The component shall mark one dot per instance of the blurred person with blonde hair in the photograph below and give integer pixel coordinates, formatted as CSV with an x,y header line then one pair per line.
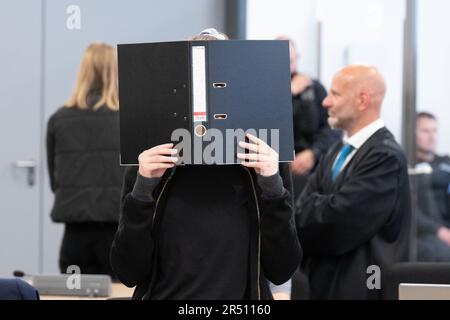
x,y
83,163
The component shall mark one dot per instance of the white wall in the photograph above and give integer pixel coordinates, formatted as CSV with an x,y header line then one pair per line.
x,y
370,32
267,19
434,65
353,31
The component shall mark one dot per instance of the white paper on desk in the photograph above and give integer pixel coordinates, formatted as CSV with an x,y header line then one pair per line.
x,y
199,84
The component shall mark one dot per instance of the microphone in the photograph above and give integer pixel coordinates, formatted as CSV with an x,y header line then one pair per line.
x,y
19,273
25,277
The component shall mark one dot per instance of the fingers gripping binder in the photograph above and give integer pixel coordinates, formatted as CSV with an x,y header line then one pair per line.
x,y
213,90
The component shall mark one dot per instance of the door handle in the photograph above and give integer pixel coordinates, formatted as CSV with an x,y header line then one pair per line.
x,y
30,165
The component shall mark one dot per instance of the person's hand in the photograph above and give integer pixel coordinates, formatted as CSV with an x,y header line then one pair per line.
x,y
155,161
299,84
444,235
264,160
281,296
303,163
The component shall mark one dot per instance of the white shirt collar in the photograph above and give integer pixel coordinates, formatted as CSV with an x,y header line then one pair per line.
x,y
359,138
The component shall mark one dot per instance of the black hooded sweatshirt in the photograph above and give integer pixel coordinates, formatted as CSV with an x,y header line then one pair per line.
x,y
206,232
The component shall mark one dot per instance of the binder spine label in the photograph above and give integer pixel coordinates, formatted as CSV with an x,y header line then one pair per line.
x,y
199,113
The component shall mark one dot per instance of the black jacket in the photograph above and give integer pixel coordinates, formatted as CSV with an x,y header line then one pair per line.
x,y
311,129
433,200
361,220
274,249
84,165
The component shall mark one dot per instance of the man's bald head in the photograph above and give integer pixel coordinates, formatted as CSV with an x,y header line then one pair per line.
x,y
355,98
365,79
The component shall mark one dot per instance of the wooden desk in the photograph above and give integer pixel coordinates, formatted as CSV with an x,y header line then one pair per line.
x,y
118,290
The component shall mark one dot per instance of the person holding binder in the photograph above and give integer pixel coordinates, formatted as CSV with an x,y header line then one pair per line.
x,y
206,231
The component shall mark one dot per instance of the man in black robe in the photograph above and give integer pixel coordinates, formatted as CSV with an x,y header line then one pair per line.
x,y
353,217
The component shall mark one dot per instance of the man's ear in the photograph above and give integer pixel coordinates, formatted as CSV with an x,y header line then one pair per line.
x,y
364,100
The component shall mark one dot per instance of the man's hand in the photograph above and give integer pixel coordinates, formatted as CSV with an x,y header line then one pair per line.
x,y
155,161
299,84
444,235
303,163
264,160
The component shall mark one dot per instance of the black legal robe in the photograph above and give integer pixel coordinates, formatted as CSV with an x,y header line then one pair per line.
x,y
361,220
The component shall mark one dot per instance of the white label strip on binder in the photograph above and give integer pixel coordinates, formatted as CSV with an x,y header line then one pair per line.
x,y
199,84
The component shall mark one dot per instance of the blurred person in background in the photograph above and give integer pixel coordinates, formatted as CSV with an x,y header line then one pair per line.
x,y
84,166
433,214
312,134
312,138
